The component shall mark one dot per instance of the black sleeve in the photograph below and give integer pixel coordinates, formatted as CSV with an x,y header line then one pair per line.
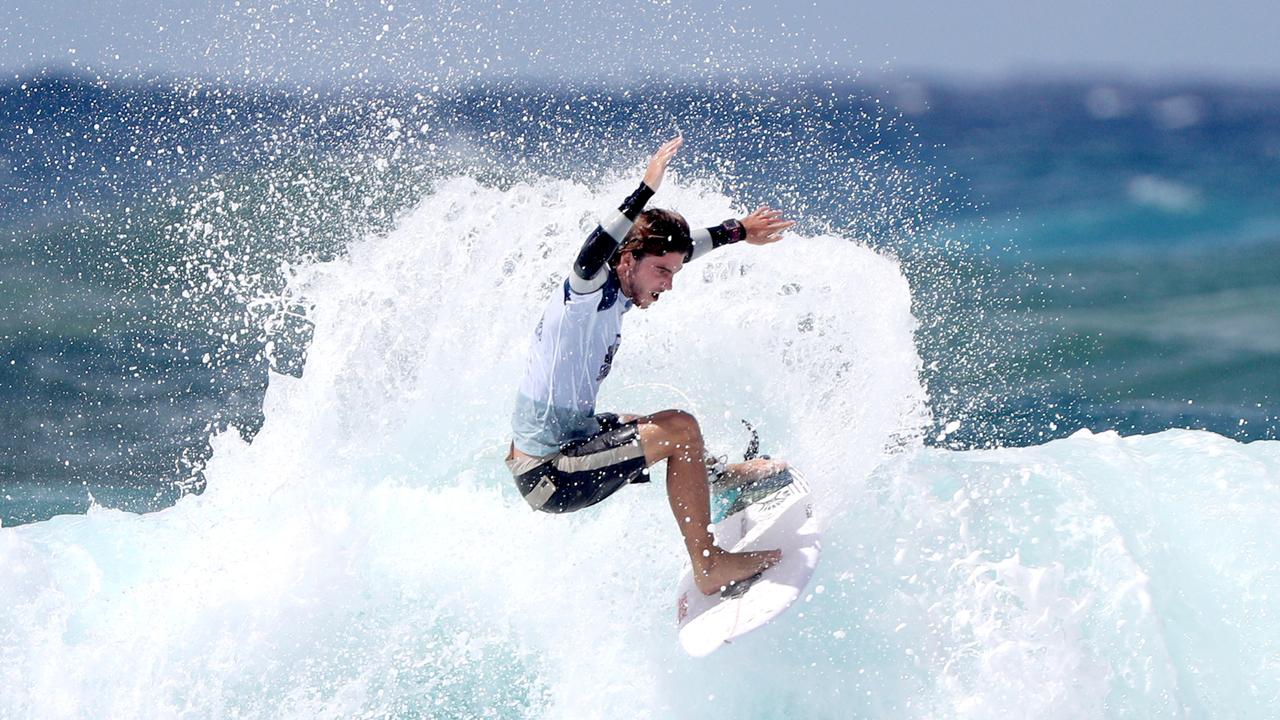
x,y
605,239
707,239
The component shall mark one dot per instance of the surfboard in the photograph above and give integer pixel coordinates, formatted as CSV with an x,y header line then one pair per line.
x,y
774,512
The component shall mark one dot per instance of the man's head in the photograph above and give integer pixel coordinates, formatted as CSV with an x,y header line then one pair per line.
x,y
652,253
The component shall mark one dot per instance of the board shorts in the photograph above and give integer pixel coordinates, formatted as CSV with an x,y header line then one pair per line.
x,y
585,471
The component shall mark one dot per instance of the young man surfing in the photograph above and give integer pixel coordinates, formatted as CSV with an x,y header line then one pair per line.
x,y
564,456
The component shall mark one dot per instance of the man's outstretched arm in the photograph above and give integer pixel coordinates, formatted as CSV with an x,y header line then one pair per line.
x,y
761,227
589,272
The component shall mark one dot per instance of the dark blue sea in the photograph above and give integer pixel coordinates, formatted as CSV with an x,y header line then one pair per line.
x,y
1100,255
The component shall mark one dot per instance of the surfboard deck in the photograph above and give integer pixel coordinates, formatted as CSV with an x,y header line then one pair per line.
x,y
774,512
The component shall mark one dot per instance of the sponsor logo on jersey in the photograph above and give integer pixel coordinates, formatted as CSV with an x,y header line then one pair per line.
x,y
608,359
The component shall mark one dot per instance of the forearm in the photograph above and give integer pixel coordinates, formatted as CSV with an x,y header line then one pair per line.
x,y
707,239
589,268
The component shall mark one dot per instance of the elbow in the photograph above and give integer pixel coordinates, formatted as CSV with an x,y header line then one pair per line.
x,y
594,255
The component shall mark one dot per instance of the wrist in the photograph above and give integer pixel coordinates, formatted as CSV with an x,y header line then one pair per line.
x,y
737,231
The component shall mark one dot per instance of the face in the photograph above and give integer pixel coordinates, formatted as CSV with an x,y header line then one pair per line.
x,y
644,280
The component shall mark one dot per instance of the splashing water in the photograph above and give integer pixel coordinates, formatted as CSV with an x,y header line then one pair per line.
x,y
367,554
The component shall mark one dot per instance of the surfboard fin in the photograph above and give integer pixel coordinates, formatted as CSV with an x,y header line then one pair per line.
x,y
753,447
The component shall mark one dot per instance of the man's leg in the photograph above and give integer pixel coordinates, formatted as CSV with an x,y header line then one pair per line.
x,y
674,436
735,474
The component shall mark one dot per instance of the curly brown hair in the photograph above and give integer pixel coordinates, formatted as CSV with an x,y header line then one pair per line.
x,y
655,232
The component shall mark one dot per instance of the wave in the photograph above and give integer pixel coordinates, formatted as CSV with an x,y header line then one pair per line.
x,y
367,554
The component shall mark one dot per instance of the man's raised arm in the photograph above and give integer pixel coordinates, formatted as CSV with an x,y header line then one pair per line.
x,y
589,272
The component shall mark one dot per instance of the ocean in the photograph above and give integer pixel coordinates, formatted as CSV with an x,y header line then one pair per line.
x,y
259,347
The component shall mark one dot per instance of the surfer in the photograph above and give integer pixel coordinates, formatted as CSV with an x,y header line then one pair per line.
x,y
564,456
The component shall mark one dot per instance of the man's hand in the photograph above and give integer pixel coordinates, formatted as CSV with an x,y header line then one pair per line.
x,y
658,163
765,225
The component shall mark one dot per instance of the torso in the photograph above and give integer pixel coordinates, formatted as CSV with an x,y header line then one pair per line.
x,y
572,352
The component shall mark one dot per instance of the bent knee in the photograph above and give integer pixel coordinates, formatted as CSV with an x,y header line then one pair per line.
x,y
679,423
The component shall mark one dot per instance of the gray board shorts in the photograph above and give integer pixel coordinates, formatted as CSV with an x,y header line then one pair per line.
x,y
583,472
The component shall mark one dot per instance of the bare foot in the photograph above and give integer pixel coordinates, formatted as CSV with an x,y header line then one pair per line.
x,y
745,473
717,571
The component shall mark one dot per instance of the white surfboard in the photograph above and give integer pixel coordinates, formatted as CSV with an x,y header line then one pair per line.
x,y
773,513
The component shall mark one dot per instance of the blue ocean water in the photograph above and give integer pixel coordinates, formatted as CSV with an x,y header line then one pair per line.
x,y
1086,255
1023,340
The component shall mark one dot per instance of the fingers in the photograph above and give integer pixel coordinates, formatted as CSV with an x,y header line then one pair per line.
x,y
669,148
658,163
770,213
769,219
766,225
766,214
